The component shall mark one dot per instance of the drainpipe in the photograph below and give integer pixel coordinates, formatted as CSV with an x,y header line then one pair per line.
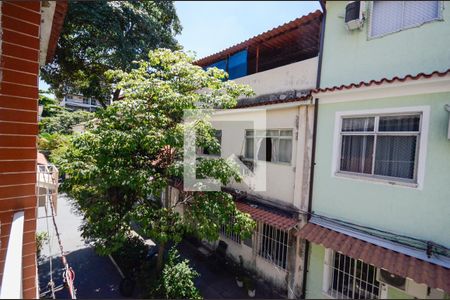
x,y
313,148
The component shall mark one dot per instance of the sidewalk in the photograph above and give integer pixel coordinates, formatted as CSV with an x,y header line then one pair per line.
x,y
216,282
95,276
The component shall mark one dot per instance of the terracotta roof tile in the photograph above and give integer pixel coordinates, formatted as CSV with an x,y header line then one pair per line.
x,y
381,81
397,263
268,217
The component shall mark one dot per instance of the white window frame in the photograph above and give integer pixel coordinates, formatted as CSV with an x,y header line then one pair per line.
x,y
439,18
328,266
279,137
422,145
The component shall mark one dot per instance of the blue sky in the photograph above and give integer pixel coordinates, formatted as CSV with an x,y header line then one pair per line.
x,y
211,26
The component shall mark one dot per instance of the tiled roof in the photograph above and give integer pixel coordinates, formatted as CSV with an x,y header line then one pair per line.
x,y
316,17
266,216
382,81
397,263
271,102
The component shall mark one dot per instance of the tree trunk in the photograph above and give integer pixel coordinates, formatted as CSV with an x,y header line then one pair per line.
x,y
116,95
160,258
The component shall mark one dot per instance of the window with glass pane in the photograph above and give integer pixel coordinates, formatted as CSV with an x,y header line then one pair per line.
x,y
353,279
384,146
392,16
270,145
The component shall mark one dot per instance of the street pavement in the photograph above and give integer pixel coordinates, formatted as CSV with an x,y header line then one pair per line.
x,y
95,276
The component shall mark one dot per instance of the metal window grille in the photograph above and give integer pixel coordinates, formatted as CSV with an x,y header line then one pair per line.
x,y
352,279
273,244
229,234
381,146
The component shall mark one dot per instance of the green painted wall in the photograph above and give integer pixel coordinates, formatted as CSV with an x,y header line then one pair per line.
x,y
394,293
404,210
315,272
353,57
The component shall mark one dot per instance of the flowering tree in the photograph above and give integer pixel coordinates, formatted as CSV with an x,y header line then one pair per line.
x,y
118,168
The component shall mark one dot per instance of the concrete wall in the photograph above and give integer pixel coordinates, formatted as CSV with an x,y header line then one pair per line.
x,y
261,267
421,213
353,56
296,76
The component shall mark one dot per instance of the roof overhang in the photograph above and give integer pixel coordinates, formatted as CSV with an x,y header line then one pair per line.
x,y
52,19
271,218
395,258
435,82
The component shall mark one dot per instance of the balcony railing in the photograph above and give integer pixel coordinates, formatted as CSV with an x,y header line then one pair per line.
x,y
47,184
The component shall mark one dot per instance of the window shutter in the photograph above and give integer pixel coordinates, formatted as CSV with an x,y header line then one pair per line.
x,y
419,12
392,16
386,17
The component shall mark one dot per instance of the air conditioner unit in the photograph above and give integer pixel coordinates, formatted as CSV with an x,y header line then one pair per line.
x,y
407,285
354,15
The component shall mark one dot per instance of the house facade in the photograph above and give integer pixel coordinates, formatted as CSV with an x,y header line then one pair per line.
x,y
281,67
29,32
79,102
379,221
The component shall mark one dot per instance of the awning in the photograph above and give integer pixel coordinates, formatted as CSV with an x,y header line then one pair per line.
x,y
397,263
266,216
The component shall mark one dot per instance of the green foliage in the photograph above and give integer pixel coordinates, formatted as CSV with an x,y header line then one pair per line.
x,y
63,121
102,35
130,256
118,168
42,239
51,106
178,278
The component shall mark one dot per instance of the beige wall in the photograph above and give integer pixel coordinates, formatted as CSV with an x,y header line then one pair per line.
x,y
296,76
286,183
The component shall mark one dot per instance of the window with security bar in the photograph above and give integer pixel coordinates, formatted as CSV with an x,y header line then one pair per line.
x,y
230,234
383,146
392,16
273,244
352,278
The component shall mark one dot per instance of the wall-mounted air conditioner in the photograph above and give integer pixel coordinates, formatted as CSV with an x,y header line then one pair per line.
x,y
354,15
407,285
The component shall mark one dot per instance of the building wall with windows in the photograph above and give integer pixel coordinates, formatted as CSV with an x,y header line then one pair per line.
x,y
354,56
381,157
392,203
79,102
319,289
280,169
